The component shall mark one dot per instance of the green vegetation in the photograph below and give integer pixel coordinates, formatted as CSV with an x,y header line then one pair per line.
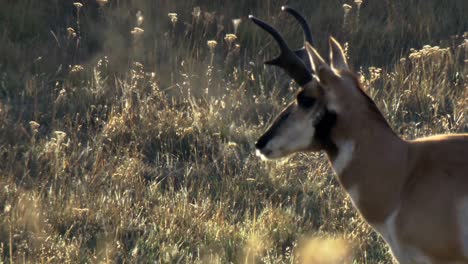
x,y
136,145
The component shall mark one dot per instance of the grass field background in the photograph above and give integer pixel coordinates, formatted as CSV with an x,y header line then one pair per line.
x,y
125,138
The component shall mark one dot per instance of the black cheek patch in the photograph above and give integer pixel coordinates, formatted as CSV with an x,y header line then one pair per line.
x,y
323,133
305,101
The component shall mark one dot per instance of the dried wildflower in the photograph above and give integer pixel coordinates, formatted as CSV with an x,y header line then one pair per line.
x,y
347,8
140,18
428,52
188,130
76,68
135,251
138,66
78,5
346,50
212,45
358,3
235,24
196,13
209,17
151,75
60,136
71,33
34,125
102,2
7,208
136,32
173,18
103,63
464,44
237,48
61,97
230,38
375,74
414,56
80,211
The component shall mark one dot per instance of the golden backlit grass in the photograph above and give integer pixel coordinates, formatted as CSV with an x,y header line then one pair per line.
x,y
151,161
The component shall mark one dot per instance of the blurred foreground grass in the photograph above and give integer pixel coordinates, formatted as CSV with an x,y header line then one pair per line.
x,y
124,144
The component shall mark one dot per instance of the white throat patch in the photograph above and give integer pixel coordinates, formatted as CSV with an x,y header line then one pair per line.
x,y
387,230
345,155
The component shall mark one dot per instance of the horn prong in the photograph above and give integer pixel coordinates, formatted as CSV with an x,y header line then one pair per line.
x,y
287,60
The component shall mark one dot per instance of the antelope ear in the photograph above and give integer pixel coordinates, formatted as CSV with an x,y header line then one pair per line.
x,y
319,66
337,55
316,61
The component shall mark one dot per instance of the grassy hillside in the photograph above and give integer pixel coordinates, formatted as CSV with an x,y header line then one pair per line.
x,y
124,144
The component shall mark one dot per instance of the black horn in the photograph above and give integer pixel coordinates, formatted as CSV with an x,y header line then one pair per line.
x,y
301,53
287,60
302,21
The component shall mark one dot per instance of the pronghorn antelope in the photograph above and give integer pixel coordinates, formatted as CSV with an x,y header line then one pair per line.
x,y
414,193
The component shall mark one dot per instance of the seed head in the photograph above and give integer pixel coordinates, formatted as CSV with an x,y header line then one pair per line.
x,y
209,17
173,18
34,125
196,12
235,23
237,48
230,38
76,69
71,33
102,2
60,136
136,32
7,208
140,18
347,8
78,5
212,45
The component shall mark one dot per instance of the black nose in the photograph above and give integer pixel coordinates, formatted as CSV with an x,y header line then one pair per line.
x,y
262,141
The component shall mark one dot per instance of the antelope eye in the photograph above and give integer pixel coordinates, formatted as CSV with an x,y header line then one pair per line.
x,y
305,101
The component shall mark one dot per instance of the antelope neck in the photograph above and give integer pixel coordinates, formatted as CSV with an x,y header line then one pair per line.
x,y
372,167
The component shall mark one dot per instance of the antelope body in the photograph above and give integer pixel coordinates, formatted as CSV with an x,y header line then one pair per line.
x,y
414,193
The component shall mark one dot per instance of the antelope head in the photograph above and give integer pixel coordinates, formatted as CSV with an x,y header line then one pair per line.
x,y
399,186
307,123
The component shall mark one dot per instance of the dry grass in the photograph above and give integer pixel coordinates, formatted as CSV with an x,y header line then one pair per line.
x,y
138,147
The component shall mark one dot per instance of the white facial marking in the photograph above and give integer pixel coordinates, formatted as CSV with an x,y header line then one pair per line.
x,y
353,193
259,154
463,224
345,155
296,136
333,103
